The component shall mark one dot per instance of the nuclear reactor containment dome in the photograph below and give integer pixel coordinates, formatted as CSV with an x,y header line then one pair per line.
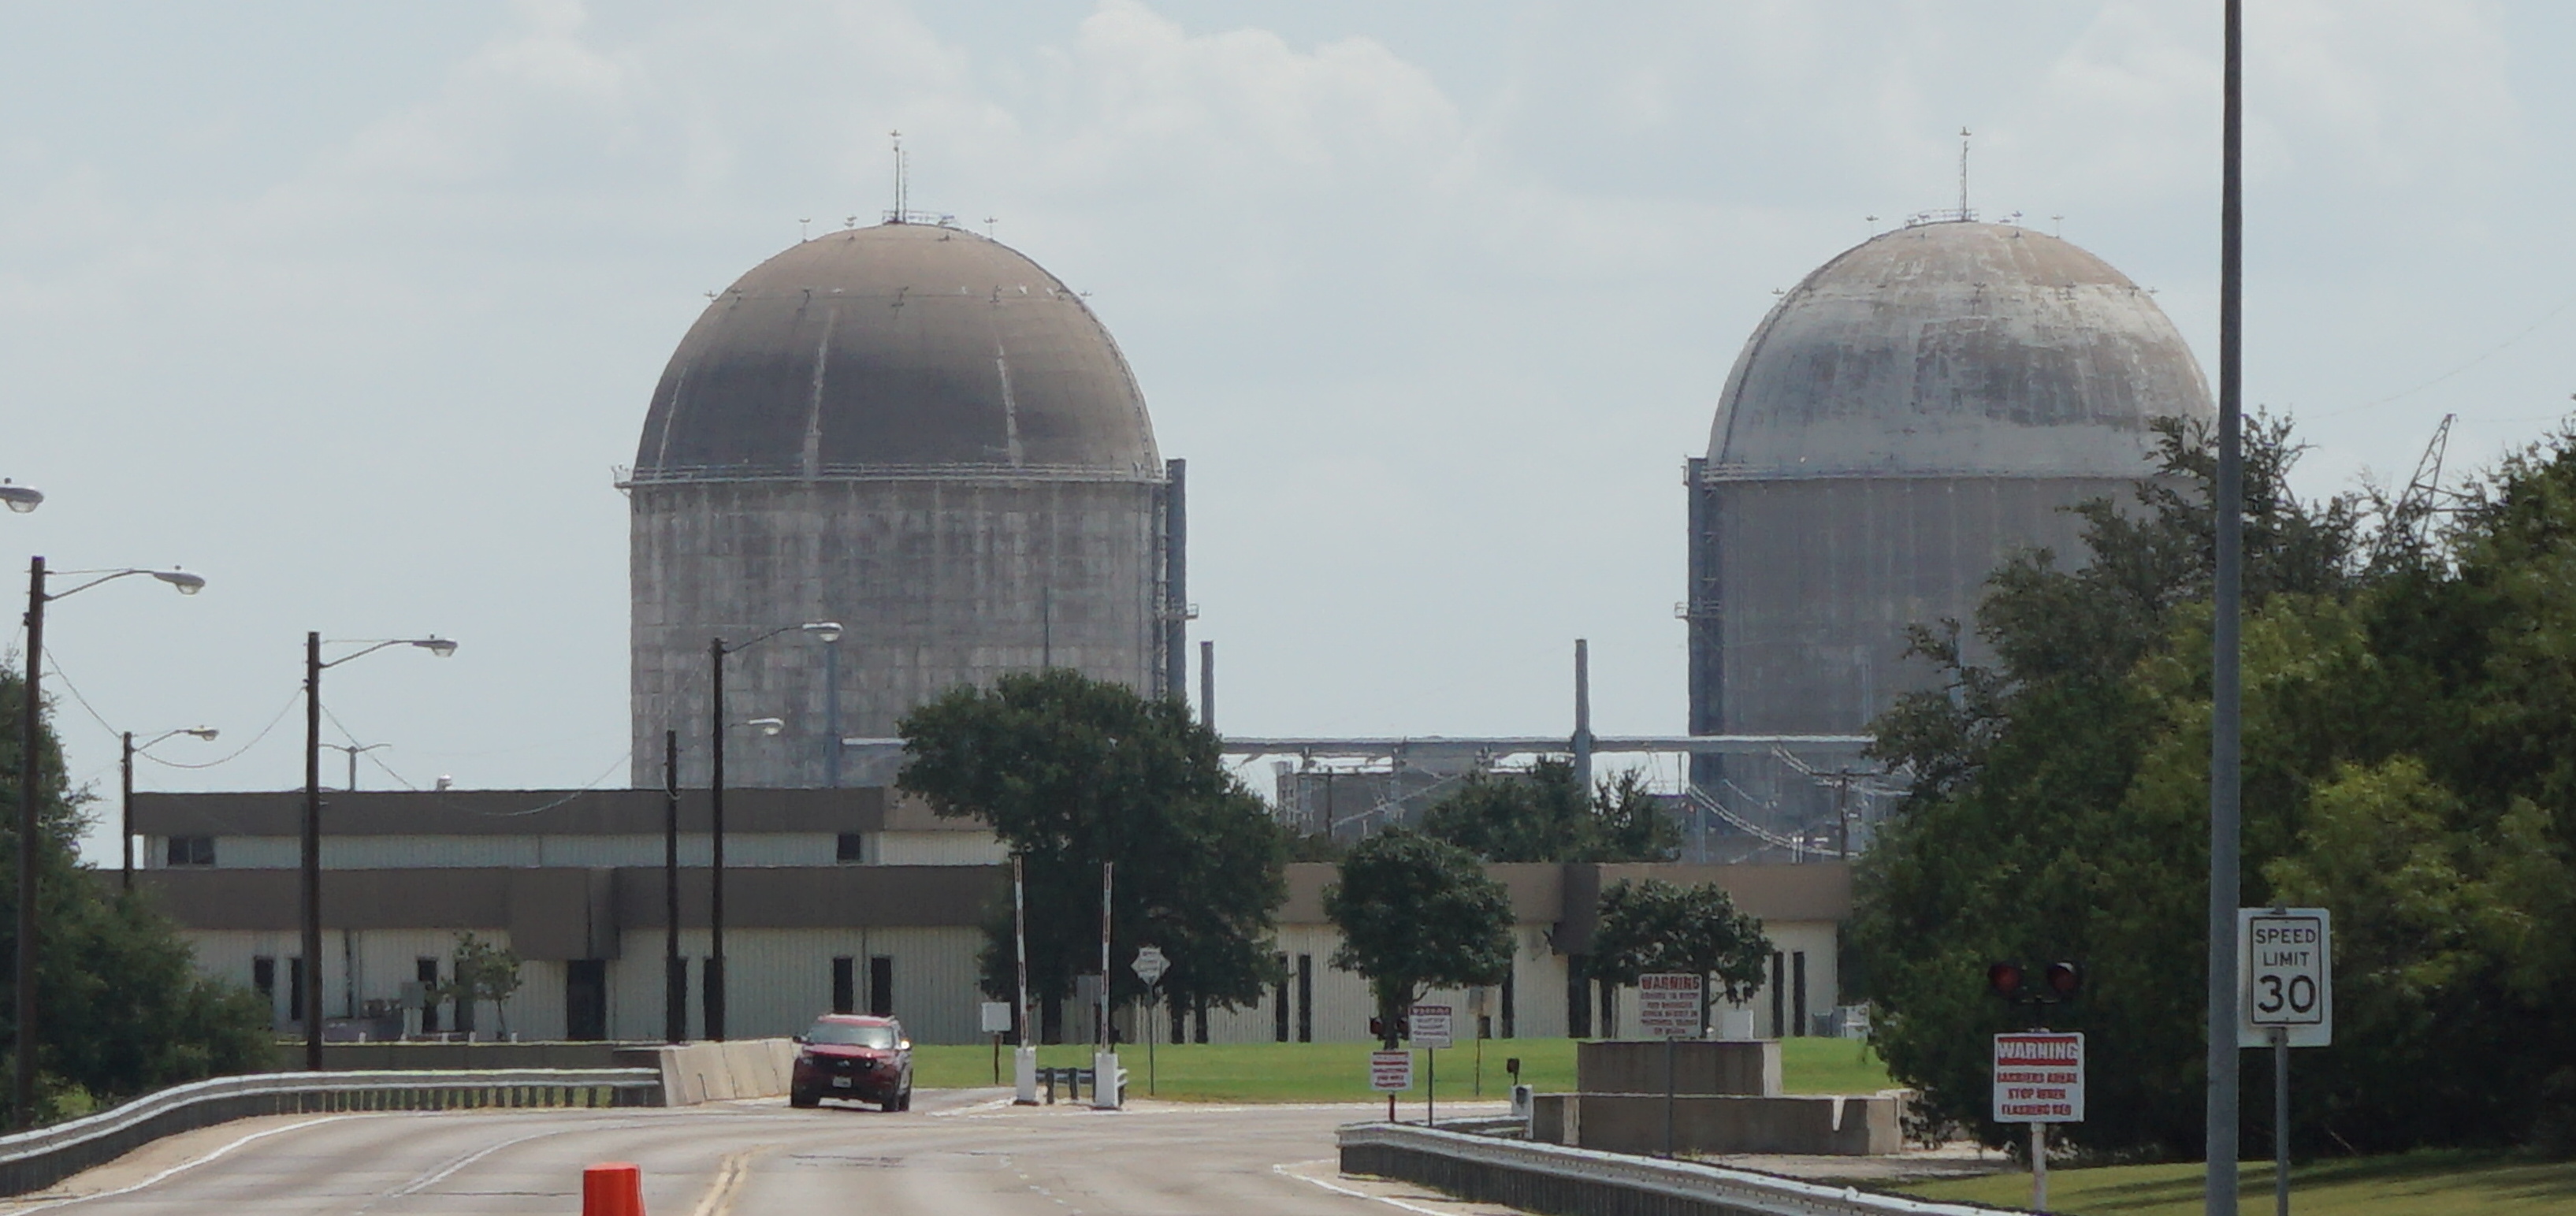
x,y
915,432
1912,413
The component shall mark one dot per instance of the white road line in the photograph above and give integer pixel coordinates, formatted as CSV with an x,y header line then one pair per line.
x,y
184,1165
442,1173
1283,1171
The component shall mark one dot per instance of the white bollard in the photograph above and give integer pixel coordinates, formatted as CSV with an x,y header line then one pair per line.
x,y
1024,1075
1104,1072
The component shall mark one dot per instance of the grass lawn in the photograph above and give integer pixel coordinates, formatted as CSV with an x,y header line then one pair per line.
x,y
1338,1072
2412,1184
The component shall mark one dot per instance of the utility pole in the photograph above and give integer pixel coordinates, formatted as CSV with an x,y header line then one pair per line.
x,y
715,977
675,968
2226,689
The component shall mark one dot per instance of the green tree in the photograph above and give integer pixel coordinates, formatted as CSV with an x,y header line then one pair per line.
x,y
2053,811
1072,772
1546,815
1415,914
482,973
123,1010
1657,926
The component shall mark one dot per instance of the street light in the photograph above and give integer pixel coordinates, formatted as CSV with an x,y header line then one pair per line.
x,y
354,749
20,499
716,725
22,1091
133,749
829,634
312,850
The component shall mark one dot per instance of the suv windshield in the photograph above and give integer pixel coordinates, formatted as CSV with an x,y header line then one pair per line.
x,y
846,1035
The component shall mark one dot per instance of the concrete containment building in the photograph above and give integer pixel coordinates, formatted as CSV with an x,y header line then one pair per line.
x,y
920,434
1917,409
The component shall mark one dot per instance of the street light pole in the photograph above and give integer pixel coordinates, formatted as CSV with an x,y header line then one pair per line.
x,y
126,816
22,1090
310,855
354,749
2219,1113
831,710
311,851
715,985
716,726
675,976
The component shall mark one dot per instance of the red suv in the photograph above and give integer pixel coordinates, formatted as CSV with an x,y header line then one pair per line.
x,y
862,1059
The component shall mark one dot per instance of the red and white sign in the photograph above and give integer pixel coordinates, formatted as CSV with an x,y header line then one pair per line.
x,y
1668,1004
1390,1071
1430,1025
2039,1078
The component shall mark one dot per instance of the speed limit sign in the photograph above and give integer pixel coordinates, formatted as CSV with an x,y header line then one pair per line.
x,y
2285,959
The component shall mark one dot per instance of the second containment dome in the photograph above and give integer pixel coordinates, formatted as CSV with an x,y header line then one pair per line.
x,y
1909,415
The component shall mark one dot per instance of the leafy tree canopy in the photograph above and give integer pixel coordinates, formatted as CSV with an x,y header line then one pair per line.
x,y
1546,815
123,1011
1656,926
2408,698
1415,914
1073,772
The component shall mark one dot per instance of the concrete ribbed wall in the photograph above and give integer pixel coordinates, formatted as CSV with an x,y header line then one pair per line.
x,y
938,582
1808,586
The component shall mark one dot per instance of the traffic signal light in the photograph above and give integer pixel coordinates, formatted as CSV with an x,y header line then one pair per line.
x,y
2056,982
2005,979
2063,979
1403,1028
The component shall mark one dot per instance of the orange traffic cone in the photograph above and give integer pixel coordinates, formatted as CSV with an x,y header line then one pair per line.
x,y
612,1188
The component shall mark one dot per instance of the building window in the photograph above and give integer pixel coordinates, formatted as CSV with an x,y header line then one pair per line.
x,y
845,985
881,986
1305,998
1279,1004
191,850
850,848
295,990
263,980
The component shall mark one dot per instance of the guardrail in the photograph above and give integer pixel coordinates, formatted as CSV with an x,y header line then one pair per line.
x,y
33,1160
1583,1182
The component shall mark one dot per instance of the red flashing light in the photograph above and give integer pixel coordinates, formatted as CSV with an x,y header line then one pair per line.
x,y
2005,979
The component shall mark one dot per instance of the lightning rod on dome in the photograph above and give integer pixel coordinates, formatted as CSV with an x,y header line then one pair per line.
x,y
900,185
1963,174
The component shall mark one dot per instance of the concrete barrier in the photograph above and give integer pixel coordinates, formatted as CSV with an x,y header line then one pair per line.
x,y
1700,1066
1562,1181
693,1073
1800,1124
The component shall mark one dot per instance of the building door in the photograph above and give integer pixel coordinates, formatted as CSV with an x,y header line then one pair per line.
x,y
881,986
586,998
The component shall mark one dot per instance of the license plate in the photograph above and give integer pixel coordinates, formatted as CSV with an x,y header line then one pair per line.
x,y
840,1082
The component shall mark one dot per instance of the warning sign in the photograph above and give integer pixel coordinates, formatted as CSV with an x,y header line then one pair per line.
x,y
1668,1004
2039,1078
1390,1071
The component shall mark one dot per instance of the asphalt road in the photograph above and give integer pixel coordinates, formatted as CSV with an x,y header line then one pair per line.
x,y
953,1154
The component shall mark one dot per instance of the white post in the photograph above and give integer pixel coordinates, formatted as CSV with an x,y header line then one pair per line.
x,y
1104,1057
1024,1059
2038,1167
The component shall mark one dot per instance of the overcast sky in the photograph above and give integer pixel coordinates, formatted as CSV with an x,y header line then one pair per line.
x,y
355,309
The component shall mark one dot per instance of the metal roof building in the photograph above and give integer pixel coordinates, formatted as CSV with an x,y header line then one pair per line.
x,y
916,432
1916,410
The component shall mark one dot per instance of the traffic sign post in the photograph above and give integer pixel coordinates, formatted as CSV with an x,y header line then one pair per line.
x,y
1390,1073
1430,1025
1150,966
2284,999
2039,1080
996,1021
1668,1007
